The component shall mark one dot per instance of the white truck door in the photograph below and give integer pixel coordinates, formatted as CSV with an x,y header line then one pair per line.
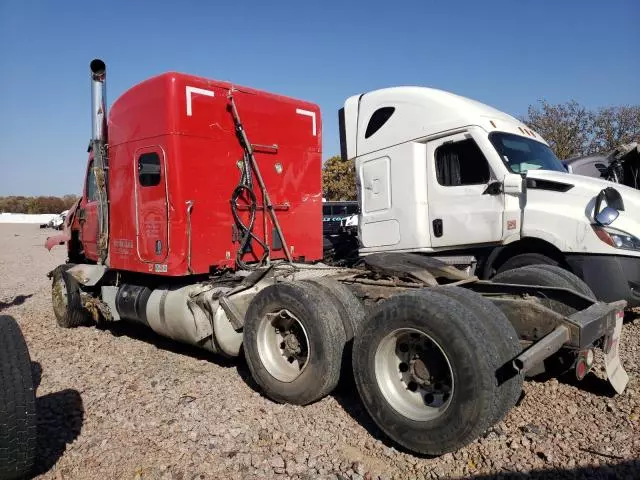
x,y
466,200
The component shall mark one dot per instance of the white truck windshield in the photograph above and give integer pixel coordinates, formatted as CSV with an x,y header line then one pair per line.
x,y
521,154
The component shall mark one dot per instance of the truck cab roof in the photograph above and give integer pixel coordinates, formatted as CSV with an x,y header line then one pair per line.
x,y
390,116
179,103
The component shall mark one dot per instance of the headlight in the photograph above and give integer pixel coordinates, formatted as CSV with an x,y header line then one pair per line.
x,y
617,238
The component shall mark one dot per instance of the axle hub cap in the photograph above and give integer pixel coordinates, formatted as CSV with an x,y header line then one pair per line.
x,y
414,374
283,345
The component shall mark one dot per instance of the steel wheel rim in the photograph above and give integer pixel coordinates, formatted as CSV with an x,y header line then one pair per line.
x,y
414,374
283,345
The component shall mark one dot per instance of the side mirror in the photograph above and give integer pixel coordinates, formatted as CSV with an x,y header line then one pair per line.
x,y
607,216
512,184
494,188
613,199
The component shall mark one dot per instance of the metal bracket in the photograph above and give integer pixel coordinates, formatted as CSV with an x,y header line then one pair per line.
x,y
233,313
547,346
265,148
189,205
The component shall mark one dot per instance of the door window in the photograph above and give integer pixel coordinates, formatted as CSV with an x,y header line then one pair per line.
x,y
92,186
461,163
149,169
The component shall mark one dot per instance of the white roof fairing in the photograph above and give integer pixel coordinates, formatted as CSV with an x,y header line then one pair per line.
x,y
419,112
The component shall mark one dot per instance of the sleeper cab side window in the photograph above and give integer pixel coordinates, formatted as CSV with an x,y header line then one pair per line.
x,y
461,163
92,186
149,169
378,119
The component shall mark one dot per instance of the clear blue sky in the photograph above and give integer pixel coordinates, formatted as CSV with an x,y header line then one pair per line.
x,y
505,53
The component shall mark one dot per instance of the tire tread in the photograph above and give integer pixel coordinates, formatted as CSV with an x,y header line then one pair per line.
x,y
18,428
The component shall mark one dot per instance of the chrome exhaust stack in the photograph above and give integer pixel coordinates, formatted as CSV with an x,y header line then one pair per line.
x,y
98,71
98,146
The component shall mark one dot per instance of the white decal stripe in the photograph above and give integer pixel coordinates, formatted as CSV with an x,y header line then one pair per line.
x,y
191,90
308,113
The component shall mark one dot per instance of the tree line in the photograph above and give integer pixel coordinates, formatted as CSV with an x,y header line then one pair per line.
x,y
19,204
569,128
572,130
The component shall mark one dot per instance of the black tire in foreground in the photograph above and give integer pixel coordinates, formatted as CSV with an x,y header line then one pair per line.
x,y
18,429
425,369
65,296
294,342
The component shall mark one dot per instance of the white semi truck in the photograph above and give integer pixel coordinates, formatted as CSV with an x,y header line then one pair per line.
x,y
444,175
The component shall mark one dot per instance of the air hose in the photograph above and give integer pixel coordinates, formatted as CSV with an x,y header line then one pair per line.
x,y
245,187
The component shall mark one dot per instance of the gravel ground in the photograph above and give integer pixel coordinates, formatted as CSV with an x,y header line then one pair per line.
x,y
123,403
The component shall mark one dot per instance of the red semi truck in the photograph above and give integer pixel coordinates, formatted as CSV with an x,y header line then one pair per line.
x,y
201,218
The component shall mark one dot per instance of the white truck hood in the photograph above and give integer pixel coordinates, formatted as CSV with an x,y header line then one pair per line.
x,y
588,188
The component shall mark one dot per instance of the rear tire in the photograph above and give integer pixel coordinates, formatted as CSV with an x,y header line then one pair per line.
x,y
18,429
350,308
576,282
545,277
352,314
504,336
293,342
65,296
397,406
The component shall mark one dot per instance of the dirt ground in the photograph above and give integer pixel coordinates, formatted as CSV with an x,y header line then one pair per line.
x,y
122,403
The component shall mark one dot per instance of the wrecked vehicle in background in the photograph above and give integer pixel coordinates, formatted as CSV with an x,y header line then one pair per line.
x,y
622,165
334,213
56,222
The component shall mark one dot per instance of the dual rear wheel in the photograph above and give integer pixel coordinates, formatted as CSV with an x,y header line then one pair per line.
x,y
296,335
428,366
433,371
432,367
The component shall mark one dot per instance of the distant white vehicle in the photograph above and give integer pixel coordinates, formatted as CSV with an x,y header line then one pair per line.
x,y
56,222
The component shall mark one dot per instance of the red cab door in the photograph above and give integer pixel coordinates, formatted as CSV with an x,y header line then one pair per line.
x,y
88,215
152,217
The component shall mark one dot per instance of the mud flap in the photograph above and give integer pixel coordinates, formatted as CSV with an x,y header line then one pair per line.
x,y
87,275
616,373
